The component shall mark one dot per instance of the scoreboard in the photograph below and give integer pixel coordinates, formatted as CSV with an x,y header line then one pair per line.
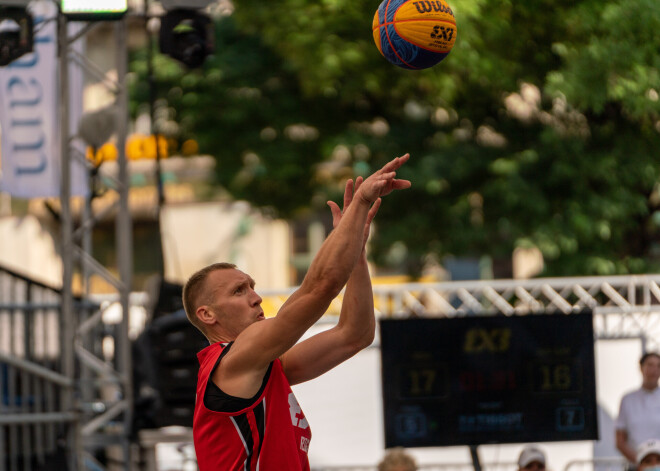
x,y
488,379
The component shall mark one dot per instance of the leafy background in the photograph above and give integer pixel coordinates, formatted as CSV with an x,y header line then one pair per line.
x,y
540,129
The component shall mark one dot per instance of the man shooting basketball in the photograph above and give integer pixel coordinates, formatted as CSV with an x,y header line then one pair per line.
x,y
246,416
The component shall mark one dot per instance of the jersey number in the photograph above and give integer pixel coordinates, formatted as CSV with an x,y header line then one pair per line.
x,y
297,417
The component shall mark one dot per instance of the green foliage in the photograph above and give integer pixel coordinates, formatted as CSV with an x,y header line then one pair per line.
x,y
539,129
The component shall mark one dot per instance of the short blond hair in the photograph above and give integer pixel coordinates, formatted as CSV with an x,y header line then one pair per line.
x,y
194,289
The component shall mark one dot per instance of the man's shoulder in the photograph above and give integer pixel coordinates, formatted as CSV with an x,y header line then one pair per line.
x,y
211,352
632,393
635,394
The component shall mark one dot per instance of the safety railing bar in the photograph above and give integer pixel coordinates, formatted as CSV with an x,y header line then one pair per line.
x,y
29,306
53,306
50,407
13,431
35,369
25,427
25,279
42,418
38,429
3,439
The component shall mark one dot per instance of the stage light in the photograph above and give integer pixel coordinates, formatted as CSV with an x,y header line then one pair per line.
x,y
187,36
94,10
16,31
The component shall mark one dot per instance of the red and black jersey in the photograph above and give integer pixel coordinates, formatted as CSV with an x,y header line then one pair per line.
x,y
268,432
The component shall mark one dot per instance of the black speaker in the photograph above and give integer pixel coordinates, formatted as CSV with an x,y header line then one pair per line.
x,y
168,299
165,370
17,38
187,36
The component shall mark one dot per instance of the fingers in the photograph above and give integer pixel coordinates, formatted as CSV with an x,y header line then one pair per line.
x,y
380,183
401,184
370,217
336,213
373,211
358,183
385,176
384,182
395,163
348,193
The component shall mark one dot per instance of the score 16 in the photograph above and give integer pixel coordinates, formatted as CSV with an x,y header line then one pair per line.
x,y
560,376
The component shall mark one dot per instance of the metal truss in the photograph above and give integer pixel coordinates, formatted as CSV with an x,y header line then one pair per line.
x,y
61,388
96,356
623,306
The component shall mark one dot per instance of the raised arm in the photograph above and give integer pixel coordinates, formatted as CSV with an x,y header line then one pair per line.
x,y
356,326
243,367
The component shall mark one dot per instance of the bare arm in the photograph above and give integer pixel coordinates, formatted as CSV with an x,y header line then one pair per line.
x,y
242,369
623,446
356,327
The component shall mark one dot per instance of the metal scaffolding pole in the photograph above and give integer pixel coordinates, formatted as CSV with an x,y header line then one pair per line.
x,y
124,239
101,393
68,316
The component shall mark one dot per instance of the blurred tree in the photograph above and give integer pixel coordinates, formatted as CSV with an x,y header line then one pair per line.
x,y
538,130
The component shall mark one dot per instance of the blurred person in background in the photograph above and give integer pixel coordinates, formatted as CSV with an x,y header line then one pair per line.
x,y
397,459
246,415
639,412
648,455
532,458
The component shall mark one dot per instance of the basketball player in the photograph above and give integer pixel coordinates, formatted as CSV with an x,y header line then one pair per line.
x,y
246,416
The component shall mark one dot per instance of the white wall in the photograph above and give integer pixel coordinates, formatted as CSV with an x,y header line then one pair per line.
x,y
29,248
196,235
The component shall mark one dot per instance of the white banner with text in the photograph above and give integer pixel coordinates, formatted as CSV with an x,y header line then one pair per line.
x,y
30,165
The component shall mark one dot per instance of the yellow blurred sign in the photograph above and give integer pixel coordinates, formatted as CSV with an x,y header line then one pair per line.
x,y
141,146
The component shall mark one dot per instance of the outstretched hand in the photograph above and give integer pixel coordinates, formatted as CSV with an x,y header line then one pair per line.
x,y
350,190
383,181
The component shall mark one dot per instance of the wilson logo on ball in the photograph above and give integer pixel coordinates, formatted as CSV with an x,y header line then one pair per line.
x,y
438,6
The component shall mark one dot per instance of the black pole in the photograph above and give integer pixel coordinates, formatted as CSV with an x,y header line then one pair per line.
x,y
153,91
475,457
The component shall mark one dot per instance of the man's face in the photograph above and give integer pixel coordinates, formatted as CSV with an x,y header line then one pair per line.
x,y
233,301
649,461
651,372
533,466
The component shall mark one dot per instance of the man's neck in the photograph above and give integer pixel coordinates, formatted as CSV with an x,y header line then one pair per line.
x,y
649,387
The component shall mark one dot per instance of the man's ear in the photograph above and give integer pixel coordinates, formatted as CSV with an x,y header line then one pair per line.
x,y
204,315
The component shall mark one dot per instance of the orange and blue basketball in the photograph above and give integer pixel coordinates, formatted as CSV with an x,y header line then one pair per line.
x,y
414,34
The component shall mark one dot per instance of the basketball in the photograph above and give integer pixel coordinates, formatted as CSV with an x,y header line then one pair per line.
x,y
414,34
